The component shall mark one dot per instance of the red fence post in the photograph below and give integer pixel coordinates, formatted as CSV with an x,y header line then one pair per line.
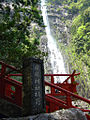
x,y
52,89
73,83
19,95
68,100
2,81
72,77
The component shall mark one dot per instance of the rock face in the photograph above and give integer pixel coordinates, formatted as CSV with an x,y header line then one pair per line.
x,y
59,31
60,21
44,48
70,114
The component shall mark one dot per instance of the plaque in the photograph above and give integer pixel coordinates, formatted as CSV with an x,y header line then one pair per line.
x,y
33,86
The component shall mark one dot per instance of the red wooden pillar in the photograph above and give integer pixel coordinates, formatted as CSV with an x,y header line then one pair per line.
x,y
8,90
52,106
18,95
72,81
69,100
2,81
72,77
52,81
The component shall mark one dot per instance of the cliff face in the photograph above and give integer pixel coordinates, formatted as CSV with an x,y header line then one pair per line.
x,y
60,23
57,20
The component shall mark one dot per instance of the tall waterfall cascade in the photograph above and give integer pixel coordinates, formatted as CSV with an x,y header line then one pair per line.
x,y
56,58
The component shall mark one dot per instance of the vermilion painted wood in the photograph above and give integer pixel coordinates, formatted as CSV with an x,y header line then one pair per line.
x,y
6,83
15,96
64,89
3,70
54,98
88,116
61,74
67,92
9,66
54,104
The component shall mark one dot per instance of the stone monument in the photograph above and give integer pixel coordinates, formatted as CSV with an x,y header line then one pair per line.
x,y
33,86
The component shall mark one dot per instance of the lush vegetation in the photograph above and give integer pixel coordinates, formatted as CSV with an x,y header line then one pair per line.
x,y
78,49
18,35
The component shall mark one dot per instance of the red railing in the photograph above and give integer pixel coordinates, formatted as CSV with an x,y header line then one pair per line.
x,y
53,103
11,90
68,84
65,94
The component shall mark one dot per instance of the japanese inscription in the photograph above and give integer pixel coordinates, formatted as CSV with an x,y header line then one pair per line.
x,y
34,77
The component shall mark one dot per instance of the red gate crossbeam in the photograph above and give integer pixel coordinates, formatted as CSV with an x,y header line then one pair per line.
x,y
68,95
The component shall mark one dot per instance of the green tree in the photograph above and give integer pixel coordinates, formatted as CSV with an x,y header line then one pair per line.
x,y
16,36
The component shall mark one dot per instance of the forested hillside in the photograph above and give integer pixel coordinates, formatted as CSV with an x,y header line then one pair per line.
x,y
78,46
80,42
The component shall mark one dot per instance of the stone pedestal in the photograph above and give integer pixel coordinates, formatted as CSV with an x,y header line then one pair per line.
x,y
9,109
33,87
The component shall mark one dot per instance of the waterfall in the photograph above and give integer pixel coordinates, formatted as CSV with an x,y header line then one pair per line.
x,y
56,58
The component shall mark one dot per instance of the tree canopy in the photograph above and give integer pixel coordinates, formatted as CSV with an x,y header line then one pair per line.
x,y
17,34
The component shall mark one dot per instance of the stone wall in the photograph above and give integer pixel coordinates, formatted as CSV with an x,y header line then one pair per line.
x,y
9,109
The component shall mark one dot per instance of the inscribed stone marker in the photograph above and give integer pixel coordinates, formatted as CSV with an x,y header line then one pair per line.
x,y
33,86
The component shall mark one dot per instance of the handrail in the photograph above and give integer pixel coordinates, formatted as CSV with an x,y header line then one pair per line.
x,y
9,75
9,66
52,97
17,94
55,101
7,83
67,92
13,81
84,110
61,74
64,103
6,80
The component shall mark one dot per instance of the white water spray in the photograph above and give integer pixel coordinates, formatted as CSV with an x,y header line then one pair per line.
x,y
56,58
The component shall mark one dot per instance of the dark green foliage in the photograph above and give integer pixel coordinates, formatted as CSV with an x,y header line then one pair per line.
x,y
17,38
